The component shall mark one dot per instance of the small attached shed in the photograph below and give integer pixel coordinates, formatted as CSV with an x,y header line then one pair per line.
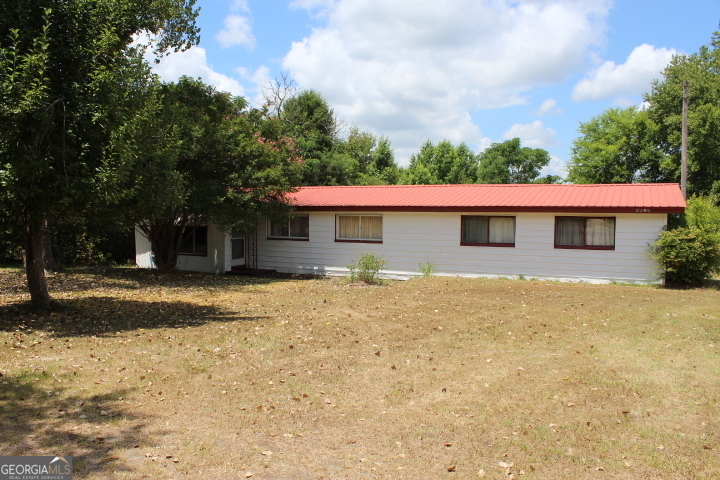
x,y
593,233
207,249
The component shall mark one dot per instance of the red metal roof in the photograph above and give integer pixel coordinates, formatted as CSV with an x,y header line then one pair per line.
x,y
636,198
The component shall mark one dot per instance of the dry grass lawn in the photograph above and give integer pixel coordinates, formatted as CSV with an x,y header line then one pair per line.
x,y
191,376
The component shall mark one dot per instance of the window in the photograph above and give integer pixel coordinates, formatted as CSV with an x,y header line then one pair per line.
x,y
358,228
296,228
585,232
237,245
194,241
488,231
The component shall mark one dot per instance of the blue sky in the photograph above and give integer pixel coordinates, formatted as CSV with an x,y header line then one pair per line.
x,y
473,71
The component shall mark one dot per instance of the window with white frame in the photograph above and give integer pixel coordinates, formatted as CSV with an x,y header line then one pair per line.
x,y
488,231
296,227
359,228
585,232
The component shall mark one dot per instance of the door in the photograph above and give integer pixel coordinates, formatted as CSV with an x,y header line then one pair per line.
x,y
235,246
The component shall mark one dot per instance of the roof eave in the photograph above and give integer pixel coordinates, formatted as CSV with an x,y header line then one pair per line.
x,y
480,208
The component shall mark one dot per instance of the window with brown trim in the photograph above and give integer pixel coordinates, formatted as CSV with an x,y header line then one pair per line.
x,y
295,228
194,241
593,233
359,228
480,230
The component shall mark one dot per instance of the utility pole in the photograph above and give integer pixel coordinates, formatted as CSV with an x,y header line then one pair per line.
x,y
684,144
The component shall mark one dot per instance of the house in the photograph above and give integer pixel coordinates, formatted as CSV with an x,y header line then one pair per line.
x,y
593,233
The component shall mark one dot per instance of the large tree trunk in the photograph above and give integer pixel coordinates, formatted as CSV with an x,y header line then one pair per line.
x,y
165,239
35,266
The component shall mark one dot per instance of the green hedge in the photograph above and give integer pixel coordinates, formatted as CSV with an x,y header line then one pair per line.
x,y
690,252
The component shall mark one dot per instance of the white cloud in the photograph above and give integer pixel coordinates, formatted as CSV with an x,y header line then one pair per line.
x,y
414,71
557,166
193,63
240,6
237,31
548,108
644,64
534,135
311,4
258,80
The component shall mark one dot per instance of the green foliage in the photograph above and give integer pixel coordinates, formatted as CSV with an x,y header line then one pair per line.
x,y
359,159
92,242
703,213
702,71
627,145
443,163
203,156
68,79
367,268
690,253
509,162
548,179
427,269
309,120
374,158
617,146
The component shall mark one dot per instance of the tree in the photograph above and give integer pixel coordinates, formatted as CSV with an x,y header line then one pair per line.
x,y
702,70
374,158
203,156
308,119
617,146
645,146
690,251
67,77
384,163
549,179
329,159
509,162
443,163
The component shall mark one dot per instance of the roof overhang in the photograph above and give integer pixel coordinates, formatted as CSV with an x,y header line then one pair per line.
x,y
480,208
561,198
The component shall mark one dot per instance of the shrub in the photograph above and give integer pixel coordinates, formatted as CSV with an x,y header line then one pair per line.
x,y
690,251
367,268
688,254
427,269
702,213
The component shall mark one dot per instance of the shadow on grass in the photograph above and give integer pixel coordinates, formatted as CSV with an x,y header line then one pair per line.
x,y
78,279
712,284
36,421
107,315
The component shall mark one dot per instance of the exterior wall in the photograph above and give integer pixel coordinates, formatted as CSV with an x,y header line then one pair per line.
x,y
213,262
412,239
143,252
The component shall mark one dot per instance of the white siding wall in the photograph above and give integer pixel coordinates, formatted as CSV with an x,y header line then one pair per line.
x,y
143,256
212,263
411,239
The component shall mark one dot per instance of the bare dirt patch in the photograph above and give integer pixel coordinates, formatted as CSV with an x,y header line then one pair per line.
x,y
187,376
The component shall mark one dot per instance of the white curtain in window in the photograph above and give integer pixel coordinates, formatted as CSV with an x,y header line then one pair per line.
x,y
569,231
600,231
502,230
348,227
372,228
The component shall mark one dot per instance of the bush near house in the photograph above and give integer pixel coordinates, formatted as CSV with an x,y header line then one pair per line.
x,y
690,252
367,268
